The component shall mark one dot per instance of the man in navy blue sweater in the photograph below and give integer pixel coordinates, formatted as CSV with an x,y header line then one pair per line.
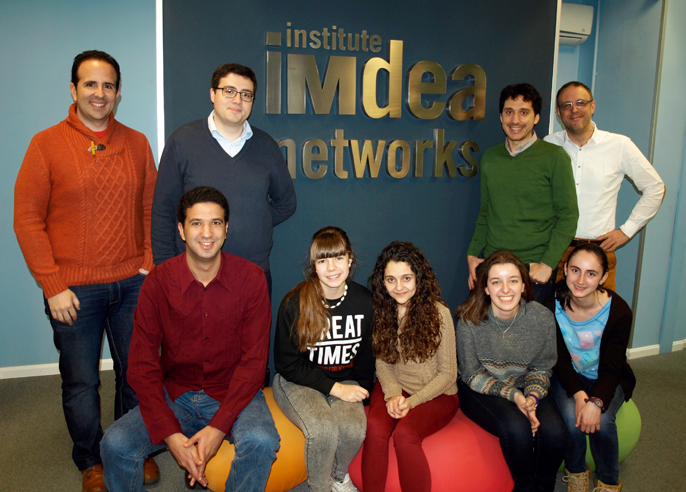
x,y
225,152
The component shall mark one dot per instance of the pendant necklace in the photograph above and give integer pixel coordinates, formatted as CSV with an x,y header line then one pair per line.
x,y
339,302
514,318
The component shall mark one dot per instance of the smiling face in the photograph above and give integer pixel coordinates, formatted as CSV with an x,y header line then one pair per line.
x,y
95,93
505,288
332,274
518,120
400,282
576,121
584,273
231,112
204,232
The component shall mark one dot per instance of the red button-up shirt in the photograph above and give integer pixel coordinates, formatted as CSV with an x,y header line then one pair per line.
x,y
213,338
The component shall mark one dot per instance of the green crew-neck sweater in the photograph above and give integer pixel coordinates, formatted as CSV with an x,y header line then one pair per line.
x,y
528,204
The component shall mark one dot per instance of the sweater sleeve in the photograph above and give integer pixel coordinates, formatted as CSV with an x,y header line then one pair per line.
x,y
281,190
389,383
537,378
478,241
565,206
148,193
289,362
168,191
472,372
446,363
31,201
613,343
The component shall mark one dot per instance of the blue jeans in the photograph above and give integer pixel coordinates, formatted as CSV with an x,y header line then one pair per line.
x,y
533,461
104,308
604,443
127,443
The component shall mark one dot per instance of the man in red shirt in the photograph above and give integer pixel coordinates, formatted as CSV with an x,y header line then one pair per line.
x,y
210,314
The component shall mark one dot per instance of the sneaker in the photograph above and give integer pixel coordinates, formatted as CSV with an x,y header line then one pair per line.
x,y
577,482
346,485
603,487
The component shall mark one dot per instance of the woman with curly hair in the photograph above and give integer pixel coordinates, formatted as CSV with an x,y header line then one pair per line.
x,y
414,342
506,350
323,356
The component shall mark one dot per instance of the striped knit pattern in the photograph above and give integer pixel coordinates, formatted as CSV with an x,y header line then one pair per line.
x,y
518,362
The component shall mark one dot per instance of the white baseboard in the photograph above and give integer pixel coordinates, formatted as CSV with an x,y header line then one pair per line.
x,y
108,364
43,370
635,353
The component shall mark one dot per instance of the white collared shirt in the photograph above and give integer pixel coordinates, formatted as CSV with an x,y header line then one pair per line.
x,y
599,168
231,148
524,146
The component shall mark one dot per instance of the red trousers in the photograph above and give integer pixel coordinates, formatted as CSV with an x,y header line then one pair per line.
x,y
408,434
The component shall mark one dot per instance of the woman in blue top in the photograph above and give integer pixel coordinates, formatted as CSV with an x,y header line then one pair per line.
x,y
591,378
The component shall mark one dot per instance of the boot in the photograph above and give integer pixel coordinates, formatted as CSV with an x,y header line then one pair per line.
x,y
577,482
603,487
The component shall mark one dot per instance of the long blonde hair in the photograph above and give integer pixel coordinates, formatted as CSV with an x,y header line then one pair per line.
x,y
328,242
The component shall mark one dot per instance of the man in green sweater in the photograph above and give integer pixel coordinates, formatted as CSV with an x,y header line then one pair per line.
x,y
528,198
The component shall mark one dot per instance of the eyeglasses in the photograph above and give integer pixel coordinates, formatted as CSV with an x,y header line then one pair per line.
x,y
580,104
230,93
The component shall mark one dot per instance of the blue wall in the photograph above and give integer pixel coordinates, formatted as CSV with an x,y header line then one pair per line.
x,y
39,40
41,37
627,56
665,242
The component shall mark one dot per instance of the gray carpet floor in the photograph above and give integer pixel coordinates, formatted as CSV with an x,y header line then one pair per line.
x,y
36,449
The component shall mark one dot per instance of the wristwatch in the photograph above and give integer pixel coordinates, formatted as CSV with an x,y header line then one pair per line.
x,y
596,401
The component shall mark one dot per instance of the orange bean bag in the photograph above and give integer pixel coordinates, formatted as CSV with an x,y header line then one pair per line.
x,y
287,471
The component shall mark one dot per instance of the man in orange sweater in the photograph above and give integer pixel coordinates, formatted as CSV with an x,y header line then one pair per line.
x,y
82,205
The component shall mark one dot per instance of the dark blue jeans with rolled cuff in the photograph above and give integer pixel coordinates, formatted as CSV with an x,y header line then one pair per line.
x,y
127,443
604,442
533,460
105,308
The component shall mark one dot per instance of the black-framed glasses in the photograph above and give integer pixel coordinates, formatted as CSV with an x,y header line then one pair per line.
x,y
230,93
580,104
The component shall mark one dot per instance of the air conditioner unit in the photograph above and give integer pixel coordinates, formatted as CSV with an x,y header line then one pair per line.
x,y
576,24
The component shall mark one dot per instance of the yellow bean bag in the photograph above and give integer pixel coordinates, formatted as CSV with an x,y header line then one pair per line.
x,y
287,471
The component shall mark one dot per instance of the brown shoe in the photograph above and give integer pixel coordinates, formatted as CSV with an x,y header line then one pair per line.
x,y
577,482
151,472
92,479
603,487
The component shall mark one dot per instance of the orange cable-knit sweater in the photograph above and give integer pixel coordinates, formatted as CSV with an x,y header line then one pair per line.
x,y
82,219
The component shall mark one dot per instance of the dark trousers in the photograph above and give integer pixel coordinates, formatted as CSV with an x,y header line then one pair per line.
x,y
105,308
533,460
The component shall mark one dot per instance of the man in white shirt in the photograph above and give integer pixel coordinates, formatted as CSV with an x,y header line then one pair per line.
x,y
600,160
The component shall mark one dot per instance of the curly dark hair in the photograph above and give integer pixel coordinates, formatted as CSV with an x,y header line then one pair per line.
x,y
421,334
528,93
